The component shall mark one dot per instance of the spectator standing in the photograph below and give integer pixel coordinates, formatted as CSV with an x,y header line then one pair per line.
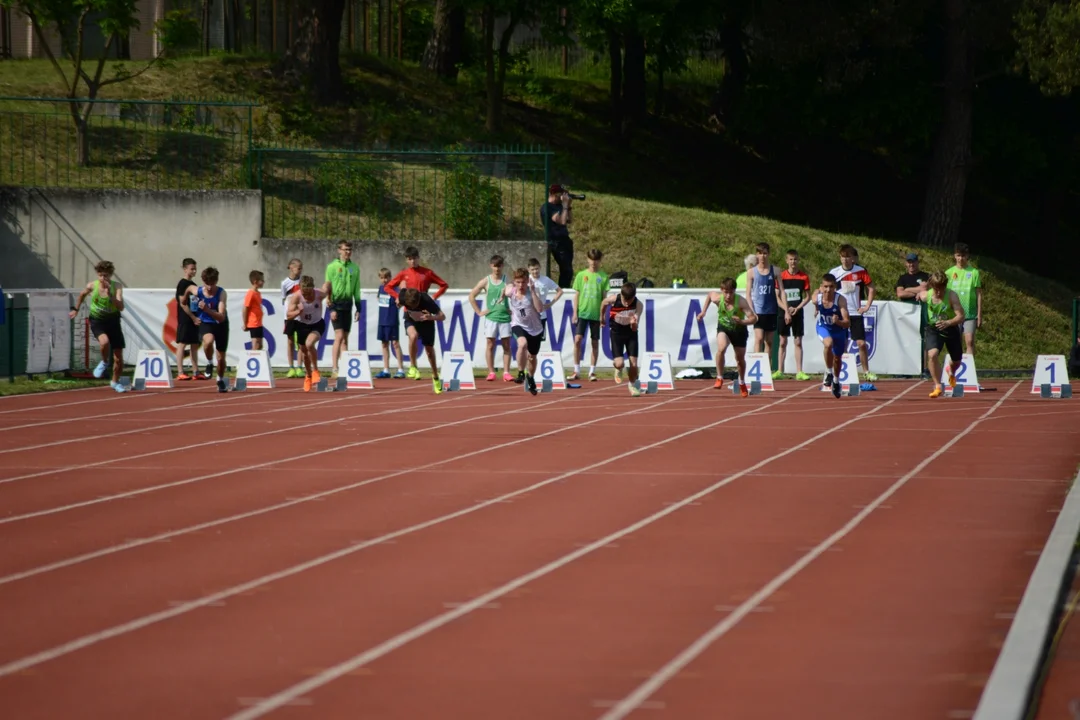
x,y
556,214
913,282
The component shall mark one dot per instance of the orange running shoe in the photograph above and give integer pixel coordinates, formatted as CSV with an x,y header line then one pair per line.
x,y
307,383
937,391
952,376
743,391
315,377
719,383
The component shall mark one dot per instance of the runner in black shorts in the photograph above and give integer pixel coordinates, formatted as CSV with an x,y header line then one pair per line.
x,y
623,312
187,325
733,314
422,312
941,330
305,309
796,286
211,302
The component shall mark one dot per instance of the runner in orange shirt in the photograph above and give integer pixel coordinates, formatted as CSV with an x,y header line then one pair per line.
x,y
253,310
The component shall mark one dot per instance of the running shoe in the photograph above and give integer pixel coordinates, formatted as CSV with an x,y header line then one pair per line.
x,y
635,391
574,376
937,391
436,383
828,380
836,390
221,386
181,377
382,375
491,377
870,376
530,384
307,383
399,375
952,376
315,376
719,383
99,371
802,376
507,377
778,375
743,390
618,376
592,377
118,387
521,377
414,373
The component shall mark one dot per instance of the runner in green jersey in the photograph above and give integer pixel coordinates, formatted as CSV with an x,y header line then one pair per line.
x,y
342,291
941,329
496,314
733,315
966,282
106,304
590,287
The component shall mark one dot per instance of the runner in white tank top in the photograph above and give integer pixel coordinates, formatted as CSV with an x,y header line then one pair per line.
x,y
306,311
526,325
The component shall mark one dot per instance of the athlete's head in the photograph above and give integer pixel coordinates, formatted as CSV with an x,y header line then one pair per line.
x,y
496,263
256,278
210,276
410,298
534,267
412,256
344,250
296,266
104,270
961,253
727,287
828,285
847,257
938,281
521,280
792,258
749,261
384,275
762,253
189,267
594,257
628,292
307,287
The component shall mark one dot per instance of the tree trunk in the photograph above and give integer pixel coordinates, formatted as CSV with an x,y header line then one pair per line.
x,y
315,51
635,104
615,87
947,183
736,67
495,62
82,139
443,51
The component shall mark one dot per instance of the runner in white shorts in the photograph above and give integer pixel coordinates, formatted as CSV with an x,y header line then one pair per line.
x,y
526,324
496,316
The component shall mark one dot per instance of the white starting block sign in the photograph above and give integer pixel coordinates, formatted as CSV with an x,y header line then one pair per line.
x,y
457,366
1051,370
152,370
759,370
549,367
357,370
254,370
848,377
966,376
656,368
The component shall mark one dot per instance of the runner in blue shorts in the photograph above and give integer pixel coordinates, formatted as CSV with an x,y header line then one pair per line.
x,y
833,322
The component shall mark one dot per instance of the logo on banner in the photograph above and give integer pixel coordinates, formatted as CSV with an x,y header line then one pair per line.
x,y
870,324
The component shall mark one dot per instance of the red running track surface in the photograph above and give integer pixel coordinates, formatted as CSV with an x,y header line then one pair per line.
x,y
488,554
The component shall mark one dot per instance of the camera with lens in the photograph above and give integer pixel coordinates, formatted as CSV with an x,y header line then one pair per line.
x,y
573,196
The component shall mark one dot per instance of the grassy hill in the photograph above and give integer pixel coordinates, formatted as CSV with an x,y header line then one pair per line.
x,y
674,202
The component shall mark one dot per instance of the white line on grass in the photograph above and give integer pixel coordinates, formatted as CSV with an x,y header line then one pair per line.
x,y
210,600
642,693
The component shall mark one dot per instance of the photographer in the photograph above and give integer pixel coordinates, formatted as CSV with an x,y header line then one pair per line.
x,y
556,214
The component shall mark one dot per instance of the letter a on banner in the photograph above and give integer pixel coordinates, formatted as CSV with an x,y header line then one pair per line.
x,y
965,375
457,366
549,367
254,370
152,367
1050,370
657,369
759,370
357,370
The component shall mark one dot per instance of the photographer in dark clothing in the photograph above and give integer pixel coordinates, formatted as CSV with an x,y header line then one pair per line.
x,y
556,216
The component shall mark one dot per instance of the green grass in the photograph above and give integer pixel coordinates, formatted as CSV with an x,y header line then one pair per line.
x,y
45,383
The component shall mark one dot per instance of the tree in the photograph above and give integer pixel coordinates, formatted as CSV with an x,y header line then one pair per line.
x,y
444,49
69,21
1048,38
315,53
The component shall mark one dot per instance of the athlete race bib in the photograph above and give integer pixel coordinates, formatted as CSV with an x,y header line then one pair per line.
x,y
793,294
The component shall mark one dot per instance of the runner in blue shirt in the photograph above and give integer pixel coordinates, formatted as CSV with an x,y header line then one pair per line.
x,y
833,322
389,327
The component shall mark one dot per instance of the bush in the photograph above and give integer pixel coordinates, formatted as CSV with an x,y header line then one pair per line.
x,y
474,208
357,186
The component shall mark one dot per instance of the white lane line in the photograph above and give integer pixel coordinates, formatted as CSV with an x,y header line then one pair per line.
x,y
185,448
429,626
112,397
231,471
646,689
356,546
165,426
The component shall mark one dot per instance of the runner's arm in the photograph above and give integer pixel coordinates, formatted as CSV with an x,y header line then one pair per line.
x,y
536,302
118,298
79,300
958,310
292,307
436,280
751,316
870,292
392,284
480,286
845,318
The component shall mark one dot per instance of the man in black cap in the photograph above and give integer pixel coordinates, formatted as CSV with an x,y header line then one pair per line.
x,y
912,282
556,216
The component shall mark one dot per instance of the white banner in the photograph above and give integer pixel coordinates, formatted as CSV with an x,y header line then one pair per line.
x,y
669,325
48,347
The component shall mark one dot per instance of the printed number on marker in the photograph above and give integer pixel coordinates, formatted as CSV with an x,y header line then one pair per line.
x,y
547,369
655,370
457,363
253,367
153,367
354,370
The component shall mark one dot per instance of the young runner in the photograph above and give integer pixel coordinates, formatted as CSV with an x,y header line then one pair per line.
x,y
342,291
590,287
305,309
210,301
763,287
253,310
733,314
289,286
416,277
549,290
966,282
941,330
852,279
833,321
389,328
526,324
796,285
623,311
496,314
106,304
187,330
423,312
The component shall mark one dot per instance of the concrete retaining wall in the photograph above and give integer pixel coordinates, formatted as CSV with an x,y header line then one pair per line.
x,y
52,238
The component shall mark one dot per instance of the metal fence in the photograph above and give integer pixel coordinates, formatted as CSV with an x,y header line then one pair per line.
x,y
471,194
131,144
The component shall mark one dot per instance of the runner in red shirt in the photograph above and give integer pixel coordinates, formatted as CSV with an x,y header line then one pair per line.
x,y
852,278
414,277
796,284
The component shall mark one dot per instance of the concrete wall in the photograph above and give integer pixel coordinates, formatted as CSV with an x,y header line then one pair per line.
x,y
52,238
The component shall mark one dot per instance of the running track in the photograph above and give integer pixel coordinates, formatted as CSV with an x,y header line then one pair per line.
x,y
584,554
